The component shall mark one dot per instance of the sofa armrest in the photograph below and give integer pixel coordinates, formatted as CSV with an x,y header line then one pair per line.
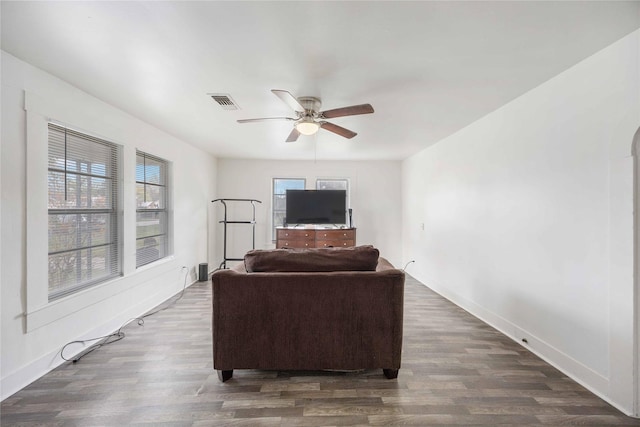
x,y
384,265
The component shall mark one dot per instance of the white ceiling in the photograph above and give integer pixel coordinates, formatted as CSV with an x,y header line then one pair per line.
x,y
428,68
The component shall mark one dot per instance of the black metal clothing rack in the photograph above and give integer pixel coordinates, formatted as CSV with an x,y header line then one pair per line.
x,y
225,221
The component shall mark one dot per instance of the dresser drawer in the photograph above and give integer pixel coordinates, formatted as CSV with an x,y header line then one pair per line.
x,y
295,244
335,235
334,243
296,235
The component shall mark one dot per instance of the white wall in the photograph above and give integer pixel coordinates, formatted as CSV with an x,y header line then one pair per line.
x,y
374,198
528,218
33,330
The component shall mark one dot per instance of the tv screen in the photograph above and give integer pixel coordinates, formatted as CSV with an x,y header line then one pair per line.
x,y
316,207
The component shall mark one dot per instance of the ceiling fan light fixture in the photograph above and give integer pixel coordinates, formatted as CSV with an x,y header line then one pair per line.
x,y
307,126
309,119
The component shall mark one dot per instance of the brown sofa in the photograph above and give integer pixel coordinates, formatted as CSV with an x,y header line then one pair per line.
x,y
282,314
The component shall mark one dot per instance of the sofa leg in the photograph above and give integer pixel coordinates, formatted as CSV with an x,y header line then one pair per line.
x,y
225,375
390,373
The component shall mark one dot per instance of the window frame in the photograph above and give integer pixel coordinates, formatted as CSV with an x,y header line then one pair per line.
x,y
39,311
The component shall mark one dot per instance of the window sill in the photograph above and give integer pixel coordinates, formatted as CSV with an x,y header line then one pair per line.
x,y
84,299
155,263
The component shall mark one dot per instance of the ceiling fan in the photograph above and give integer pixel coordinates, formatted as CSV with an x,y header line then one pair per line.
x,y
309,119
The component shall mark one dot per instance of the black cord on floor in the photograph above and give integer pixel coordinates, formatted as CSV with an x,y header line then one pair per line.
x,y
407,264
118,335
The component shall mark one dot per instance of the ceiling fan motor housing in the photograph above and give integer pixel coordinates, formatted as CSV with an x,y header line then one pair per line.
x,y
306,123
311,105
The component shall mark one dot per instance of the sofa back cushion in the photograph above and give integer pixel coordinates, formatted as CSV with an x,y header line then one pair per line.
x,y
359,258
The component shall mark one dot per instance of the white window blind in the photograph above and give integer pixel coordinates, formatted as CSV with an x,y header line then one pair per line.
x,y
152,218
83,186
332,184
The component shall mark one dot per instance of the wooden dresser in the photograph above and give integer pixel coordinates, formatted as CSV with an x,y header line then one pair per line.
x,y
315,238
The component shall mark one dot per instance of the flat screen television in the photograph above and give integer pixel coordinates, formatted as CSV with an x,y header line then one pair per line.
x,y
316,207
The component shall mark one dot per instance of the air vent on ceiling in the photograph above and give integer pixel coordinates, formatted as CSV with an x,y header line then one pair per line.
x,y
225,101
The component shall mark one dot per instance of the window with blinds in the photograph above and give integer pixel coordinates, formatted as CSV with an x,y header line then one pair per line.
x,y
152,218
279,202
334,184
84,230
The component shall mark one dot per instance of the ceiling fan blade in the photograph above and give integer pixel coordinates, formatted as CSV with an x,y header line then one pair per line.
x,y
338,130
288,99
348,111
293,136
264,119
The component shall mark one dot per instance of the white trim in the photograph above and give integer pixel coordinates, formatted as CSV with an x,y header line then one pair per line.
x,y
635,152
36,210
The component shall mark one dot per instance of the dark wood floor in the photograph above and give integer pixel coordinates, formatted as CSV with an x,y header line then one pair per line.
x,y
456,370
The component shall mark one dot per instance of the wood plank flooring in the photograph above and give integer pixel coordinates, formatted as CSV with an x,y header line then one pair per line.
x,y
456,370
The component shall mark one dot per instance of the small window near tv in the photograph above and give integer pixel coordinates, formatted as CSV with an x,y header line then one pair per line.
x,y
279,202
332,184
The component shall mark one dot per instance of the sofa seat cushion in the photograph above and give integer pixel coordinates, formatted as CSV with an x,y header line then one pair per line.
x,y
359,258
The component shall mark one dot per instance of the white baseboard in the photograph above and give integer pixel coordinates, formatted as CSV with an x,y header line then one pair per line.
x,y
22,377
29,373
583,375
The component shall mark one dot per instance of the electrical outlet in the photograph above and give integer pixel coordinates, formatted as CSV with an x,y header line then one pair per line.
x,y
422,226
